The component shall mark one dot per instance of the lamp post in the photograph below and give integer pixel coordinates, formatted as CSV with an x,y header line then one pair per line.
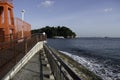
x,y
23,12
44,37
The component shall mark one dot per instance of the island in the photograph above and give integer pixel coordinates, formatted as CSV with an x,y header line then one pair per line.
x,y
56,32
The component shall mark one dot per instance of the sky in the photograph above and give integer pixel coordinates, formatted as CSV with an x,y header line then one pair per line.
x,y
87,18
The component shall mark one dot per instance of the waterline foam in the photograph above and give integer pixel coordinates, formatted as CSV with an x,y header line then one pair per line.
x,y
93,65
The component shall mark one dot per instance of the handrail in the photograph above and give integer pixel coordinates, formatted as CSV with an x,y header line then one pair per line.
x,y
14,51
62,64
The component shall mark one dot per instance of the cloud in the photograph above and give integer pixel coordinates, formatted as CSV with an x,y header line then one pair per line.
x,y
47,3
108,9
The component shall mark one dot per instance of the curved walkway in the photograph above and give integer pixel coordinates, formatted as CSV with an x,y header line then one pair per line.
x,y
32,70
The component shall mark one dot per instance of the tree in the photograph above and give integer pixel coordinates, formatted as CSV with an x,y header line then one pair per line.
x,y
56,31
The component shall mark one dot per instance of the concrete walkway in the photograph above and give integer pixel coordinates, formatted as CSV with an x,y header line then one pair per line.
x,y
31,71
35,68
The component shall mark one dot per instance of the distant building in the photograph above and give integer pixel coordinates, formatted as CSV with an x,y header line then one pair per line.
x,y
11,28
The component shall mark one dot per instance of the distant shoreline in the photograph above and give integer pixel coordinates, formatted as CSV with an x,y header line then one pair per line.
x,y
98,37
89,38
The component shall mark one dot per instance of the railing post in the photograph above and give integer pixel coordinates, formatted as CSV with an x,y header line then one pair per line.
x,y
37,38
26,46
61,71
41,69
15,54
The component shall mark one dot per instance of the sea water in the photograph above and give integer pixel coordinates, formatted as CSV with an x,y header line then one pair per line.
x,y
100,55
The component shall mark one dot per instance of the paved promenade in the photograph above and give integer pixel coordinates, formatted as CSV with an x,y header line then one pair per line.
x,y
32,70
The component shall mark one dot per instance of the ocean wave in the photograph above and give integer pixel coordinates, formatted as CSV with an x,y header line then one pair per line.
x,y
104,71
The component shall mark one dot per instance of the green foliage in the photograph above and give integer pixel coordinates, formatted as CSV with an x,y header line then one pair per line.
x,y
56,31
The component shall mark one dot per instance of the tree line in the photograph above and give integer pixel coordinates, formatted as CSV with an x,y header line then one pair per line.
x,y
53,32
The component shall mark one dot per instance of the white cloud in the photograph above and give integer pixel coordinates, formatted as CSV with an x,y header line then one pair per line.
x,y
108,9
47,3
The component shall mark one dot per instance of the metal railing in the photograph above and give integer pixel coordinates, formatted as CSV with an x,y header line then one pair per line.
x,y
22,28
60,70
15,51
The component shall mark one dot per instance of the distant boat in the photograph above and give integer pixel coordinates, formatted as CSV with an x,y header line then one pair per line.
x,y
106,37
